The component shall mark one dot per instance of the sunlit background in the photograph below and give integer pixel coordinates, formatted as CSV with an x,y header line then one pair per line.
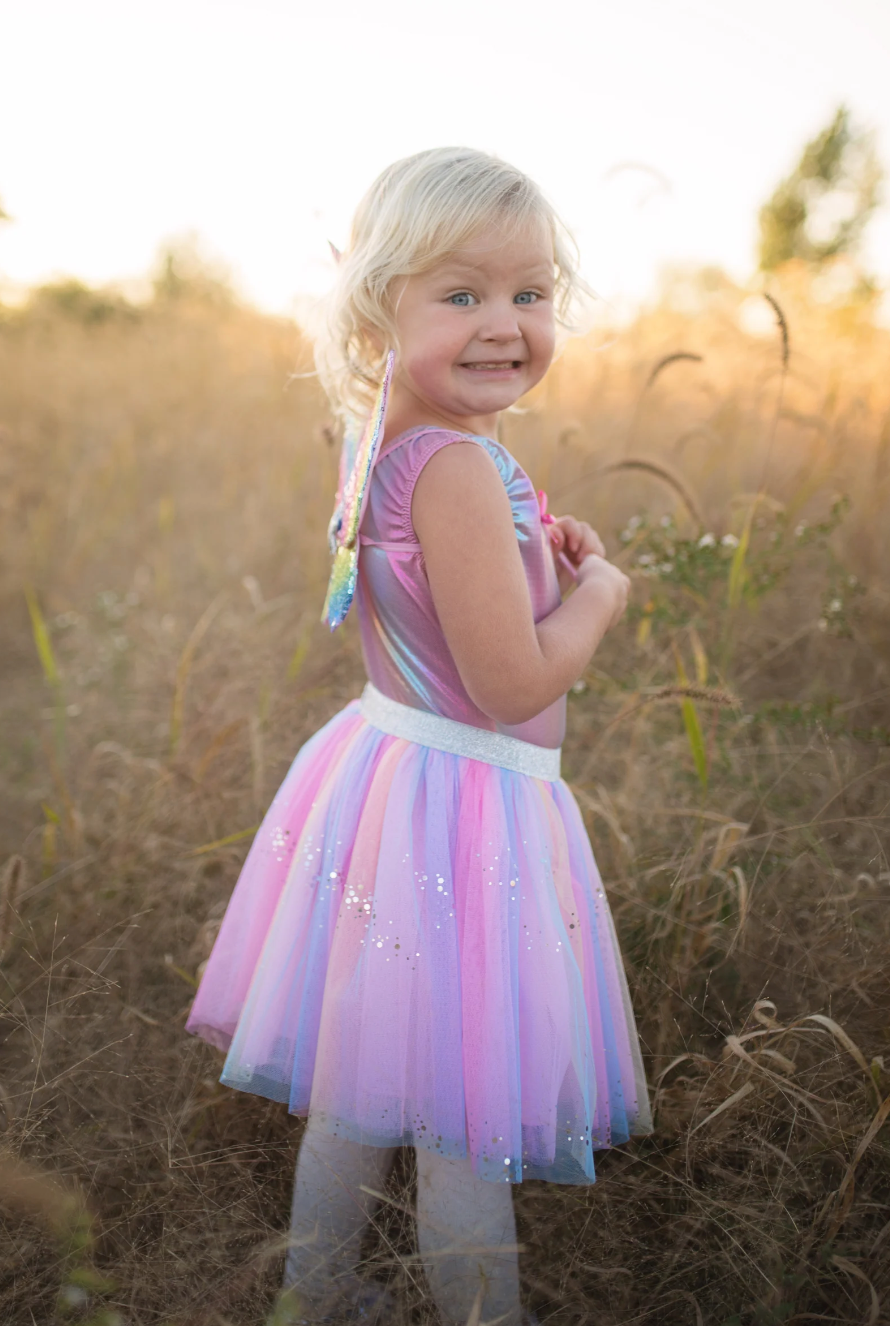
x,y
168,466
658,127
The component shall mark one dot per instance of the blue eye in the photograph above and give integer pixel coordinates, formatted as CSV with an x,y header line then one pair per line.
x,y
526,297
461,299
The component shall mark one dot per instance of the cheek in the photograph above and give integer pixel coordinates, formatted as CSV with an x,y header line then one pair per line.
x,y
426,365
429,358
541,338
545,340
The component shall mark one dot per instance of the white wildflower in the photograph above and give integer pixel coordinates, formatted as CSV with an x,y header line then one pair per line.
x,y
707,541
729,541
73,1296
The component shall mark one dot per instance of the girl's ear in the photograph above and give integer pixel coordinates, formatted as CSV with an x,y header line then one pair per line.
x,y
335,251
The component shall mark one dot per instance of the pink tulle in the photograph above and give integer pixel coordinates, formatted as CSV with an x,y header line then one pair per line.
x,y
420,951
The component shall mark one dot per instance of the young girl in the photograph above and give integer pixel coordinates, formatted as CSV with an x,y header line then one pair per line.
x,y
419,951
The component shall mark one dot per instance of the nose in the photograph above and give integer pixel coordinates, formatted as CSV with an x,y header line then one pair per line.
x,y
502,324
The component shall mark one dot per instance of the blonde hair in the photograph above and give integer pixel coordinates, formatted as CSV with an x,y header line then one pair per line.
x,y
415,214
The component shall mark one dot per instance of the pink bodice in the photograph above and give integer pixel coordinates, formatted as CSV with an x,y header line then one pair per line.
x,y
404,649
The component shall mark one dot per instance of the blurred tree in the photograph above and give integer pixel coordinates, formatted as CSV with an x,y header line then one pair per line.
x,y
821,209
79,302
184,271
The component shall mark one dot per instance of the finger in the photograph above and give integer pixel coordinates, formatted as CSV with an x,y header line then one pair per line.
x,y
574,537
592,548
590,540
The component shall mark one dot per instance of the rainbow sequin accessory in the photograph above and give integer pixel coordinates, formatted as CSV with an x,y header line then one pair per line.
x,y
356,466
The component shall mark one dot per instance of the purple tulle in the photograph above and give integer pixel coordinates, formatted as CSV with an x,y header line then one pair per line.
x,y
420,951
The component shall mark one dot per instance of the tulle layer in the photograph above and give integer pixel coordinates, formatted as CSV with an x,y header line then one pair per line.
x,y
419,951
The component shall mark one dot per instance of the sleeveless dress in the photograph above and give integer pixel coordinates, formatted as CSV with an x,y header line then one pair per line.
x,y
419,949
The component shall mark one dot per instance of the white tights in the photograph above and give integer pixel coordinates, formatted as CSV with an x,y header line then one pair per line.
x,y
466,1231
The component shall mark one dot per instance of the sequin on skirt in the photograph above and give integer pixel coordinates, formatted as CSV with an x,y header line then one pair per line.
x,y
419,950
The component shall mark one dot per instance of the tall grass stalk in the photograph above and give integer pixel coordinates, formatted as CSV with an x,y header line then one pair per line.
x,y
52,676
184,667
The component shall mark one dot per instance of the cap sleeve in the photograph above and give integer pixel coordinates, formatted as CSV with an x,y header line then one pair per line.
x,y
395,476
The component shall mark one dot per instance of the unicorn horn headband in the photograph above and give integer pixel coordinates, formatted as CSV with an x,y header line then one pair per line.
x,y
357,460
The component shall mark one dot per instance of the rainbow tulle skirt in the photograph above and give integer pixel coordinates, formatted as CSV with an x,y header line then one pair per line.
x,y
420,952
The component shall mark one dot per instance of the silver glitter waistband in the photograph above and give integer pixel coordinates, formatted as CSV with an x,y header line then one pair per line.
x,y
446,734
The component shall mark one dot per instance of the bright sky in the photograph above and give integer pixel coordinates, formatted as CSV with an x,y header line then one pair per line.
x,y
258,124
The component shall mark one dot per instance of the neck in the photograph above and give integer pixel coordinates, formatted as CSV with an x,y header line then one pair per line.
x,y
406,411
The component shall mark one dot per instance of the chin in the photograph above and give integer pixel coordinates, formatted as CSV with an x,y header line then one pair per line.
x,y
494,404
476,410
492,398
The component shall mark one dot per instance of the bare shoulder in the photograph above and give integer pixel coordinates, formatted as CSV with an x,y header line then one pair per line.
x,y
459,487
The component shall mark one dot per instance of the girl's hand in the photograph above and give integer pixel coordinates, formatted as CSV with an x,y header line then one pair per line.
x,y
612,582
576,540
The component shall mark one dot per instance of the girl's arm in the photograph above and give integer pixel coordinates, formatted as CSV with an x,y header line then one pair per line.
x,y
512,668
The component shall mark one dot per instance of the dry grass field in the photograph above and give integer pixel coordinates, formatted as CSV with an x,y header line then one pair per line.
x,y
165,486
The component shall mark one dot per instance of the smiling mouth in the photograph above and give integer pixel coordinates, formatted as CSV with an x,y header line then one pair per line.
x,y
494,366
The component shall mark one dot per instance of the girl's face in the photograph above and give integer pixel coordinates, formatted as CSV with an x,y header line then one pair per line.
x,y
476,332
